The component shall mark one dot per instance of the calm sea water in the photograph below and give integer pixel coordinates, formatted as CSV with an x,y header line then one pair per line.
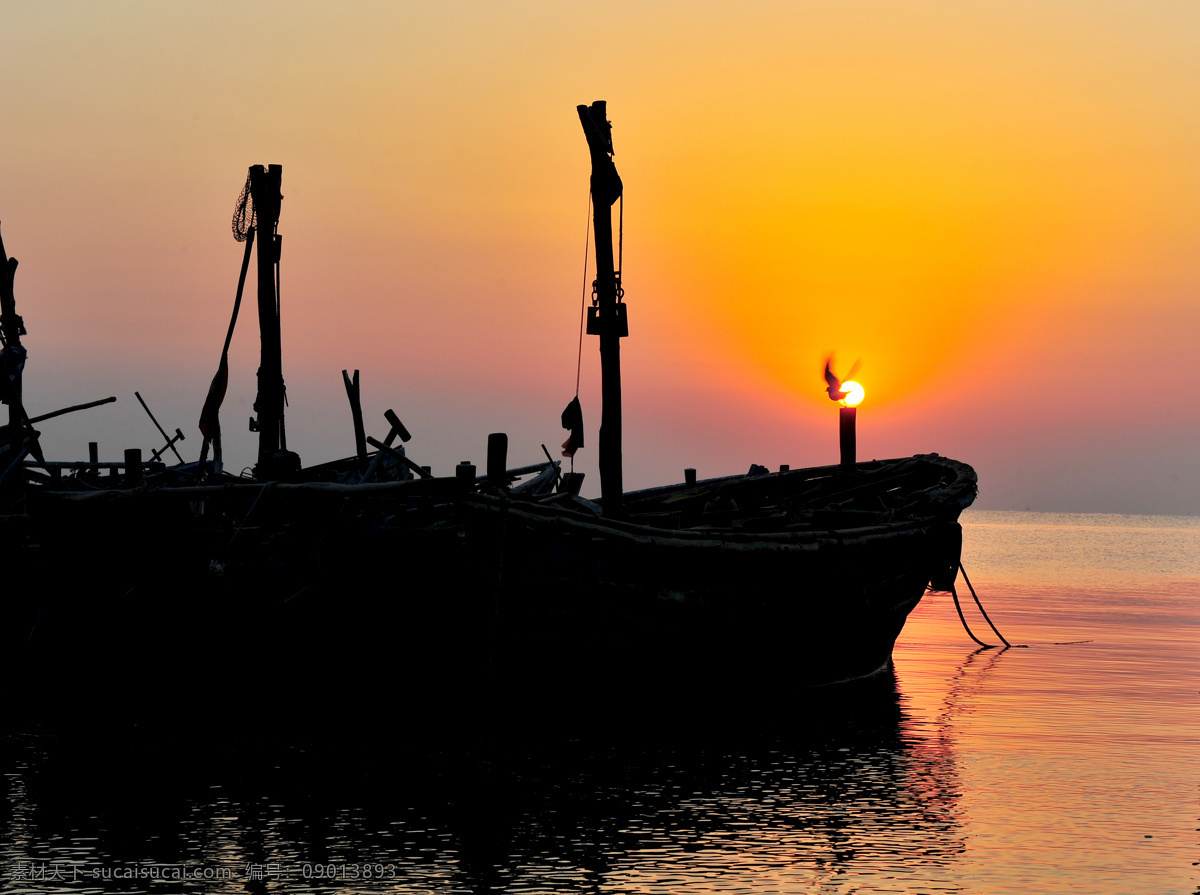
x,y
1069,765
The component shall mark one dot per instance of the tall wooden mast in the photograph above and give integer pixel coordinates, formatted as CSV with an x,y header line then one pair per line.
x,y
265,186
606,317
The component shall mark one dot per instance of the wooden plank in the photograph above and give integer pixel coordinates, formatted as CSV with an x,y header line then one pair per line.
x,y
161,431
519,471
446,486
83,464
71,409
397,426
545,478
397,431
419,470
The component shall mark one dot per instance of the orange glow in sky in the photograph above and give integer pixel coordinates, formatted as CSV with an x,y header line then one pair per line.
x,y
1005,194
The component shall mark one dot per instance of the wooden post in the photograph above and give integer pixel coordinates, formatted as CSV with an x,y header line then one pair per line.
x,y
783,467
265,185
93,473
497,459
689,476
133,466
609,321
464,474
847,423
360,434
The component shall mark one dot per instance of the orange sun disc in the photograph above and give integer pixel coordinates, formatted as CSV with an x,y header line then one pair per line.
x,y
854,393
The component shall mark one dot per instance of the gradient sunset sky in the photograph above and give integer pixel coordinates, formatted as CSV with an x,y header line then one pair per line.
x,y
996,206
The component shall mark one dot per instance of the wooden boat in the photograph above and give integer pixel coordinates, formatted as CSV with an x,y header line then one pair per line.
x,y
804,577
807,575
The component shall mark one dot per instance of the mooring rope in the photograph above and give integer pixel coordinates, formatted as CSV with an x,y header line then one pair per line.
x,y
983,611
962,618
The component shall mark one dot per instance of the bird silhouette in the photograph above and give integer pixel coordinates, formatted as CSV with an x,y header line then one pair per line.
x,y
835,384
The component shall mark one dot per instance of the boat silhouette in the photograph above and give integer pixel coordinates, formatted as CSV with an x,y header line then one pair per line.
x,y
804,576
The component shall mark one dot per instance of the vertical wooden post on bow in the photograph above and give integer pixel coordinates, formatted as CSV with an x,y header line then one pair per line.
x,y
607,318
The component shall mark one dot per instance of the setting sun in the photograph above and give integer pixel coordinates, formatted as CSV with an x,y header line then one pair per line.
x,y
854,394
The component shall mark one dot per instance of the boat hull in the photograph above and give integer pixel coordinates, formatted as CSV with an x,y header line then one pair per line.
x,y
449,590
595,599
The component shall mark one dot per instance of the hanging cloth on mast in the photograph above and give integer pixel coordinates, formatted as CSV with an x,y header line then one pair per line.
x,y
210,422
572,418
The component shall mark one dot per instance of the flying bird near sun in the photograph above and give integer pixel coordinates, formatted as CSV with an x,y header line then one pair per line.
x,y
843,389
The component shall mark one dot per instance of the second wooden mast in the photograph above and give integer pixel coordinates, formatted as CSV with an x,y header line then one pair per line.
x,y
606,316
274,459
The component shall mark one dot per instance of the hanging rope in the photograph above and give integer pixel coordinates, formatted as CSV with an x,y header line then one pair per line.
x,y
587,244
237,300
210,422
962,618
279,323
621,247
981,609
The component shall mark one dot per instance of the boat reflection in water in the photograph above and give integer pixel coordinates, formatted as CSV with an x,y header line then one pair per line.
x,y
838,786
